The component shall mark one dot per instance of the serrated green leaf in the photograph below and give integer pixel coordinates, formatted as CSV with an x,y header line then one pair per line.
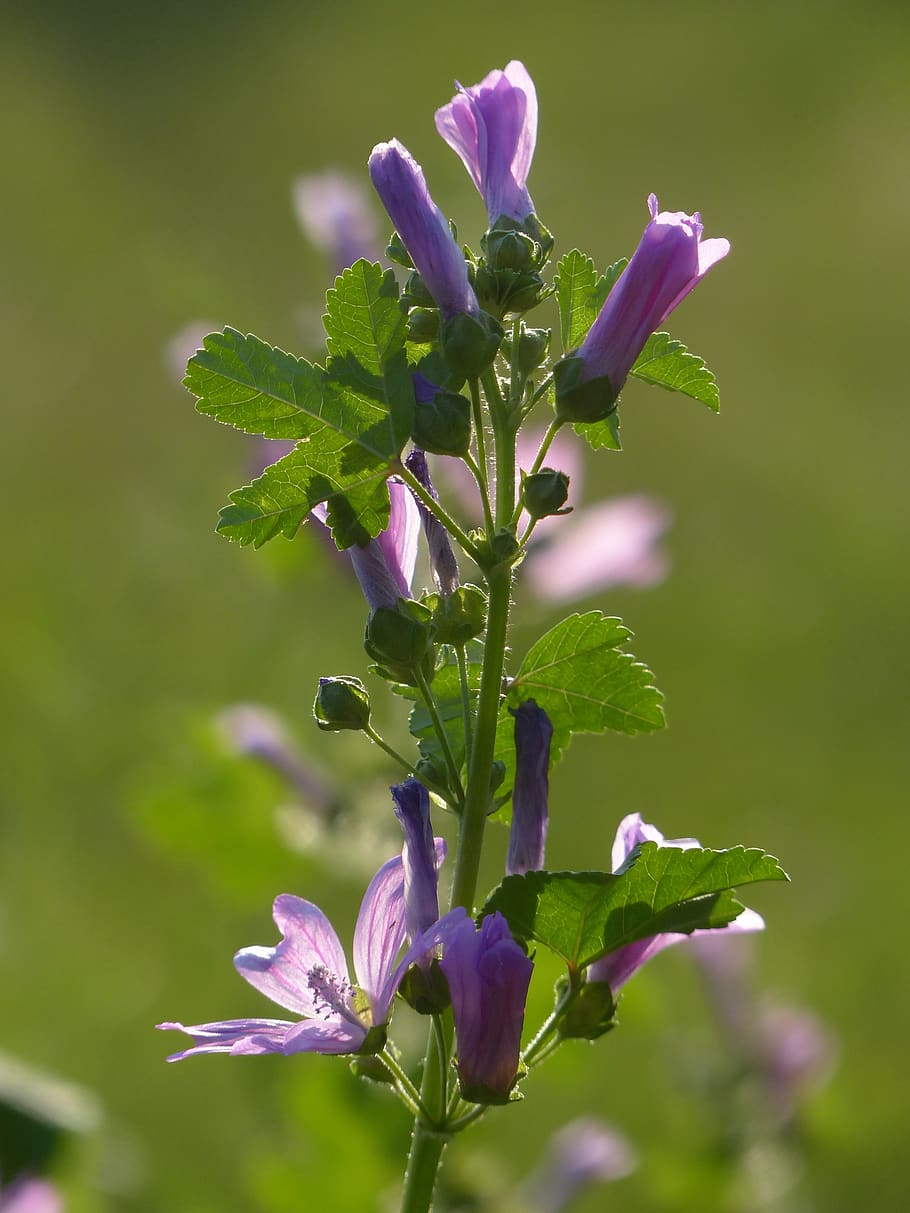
x,y
582,916
601,435
669,364
353,418
580,294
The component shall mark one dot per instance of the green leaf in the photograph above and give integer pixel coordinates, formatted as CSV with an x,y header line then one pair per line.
x,y
580,294
580,676
353,418
582,916
669,364
601,434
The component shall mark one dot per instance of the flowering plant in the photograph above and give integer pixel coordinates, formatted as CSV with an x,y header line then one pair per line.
x,y
449,365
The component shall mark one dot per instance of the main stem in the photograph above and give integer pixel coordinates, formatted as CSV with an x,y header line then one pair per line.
x,y
428,1144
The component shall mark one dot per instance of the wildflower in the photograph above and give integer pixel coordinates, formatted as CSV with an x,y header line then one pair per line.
x,y
670,260
421,899
619,966
385,565
307,973
528,836
423,228
488,976
334,213
493,128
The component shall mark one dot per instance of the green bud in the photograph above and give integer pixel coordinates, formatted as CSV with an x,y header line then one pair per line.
x,y
486,287
504,544
395,251
470,343
533,346
415,293
432,771
590,1012
497,774
520,292
511,250
427,991
544,492
443,426
396,639
460,616
423,324
592,400
341,703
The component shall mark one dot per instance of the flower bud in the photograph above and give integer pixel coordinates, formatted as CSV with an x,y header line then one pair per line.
x,y
341,703
511,250
460,616
432,771
544,492
533,346
396,638
470,343
443,426
590,1013
423,325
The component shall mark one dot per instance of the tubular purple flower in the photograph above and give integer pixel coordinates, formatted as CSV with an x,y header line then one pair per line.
x,y
530,815
493,128
619,966
488,976
385,565
335,216
669,261
442,556
420,856
307,973
423,228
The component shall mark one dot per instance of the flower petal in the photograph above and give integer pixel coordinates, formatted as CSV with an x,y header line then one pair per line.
x,y
380,929
232,1036
315,1036
282,973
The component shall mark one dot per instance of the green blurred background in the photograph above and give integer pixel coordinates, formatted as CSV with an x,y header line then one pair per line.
x,y
148,152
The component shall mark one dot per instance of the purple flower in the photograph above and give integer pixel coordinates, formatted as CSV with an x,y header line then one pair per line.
x,y
670,259
385,565
307,973
423,228
30,1196
619,966
335,216
493,128
255,732
420,856
488,976
583,1152
442,557
528,835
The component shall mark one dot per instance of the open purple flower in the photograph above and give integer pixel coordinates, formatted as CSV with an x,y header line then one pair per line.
x,y
385,565
493,128
488,976
423,228
619,966
530,814
670,260
307,973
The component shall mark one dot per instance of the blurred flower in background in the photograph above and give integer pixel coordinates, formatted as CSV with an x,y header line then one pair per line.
x,y
583,1153
334,211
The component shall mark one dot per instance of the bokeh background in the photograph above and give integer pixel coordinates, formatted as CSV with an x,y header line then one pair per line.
x,y
147,157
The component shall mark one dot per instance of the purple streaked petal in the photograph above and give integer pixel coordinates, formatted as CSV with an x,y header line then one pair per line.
x,y
442,557
235,1036
379,933
319,1036
600,547
398,541
282,973
419,856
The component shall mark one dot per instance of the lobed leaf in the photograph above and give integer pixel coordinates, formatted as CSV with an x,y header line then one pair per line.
x,y
669,364
582,916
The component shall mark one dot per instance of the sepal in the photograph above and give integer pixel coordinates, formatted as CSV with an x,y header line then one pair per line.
x,y
470,343
581,401
460,616
426,989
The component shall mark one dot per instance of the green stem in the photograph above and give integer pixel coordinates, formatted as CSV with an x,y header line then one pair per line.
x,y
437,510
465,699
477,411
481,478
432,707
455,1126
407,1090
384,746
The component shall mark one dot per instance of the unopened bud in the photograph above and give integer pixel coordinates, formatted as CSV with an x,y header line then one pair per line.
x,y
544,492
460,616
470,343
423,324
443,426
341,703
533,345
396,638
511,250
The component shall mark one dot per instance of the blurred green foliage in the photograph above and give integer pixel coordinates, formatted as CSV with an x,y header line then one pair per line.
x,y
148,153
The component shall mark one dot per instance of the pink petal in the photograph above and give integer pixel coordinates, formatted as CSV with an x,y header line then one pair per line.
x,y
380,930
710,252
315,1036
231,1036
282,972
